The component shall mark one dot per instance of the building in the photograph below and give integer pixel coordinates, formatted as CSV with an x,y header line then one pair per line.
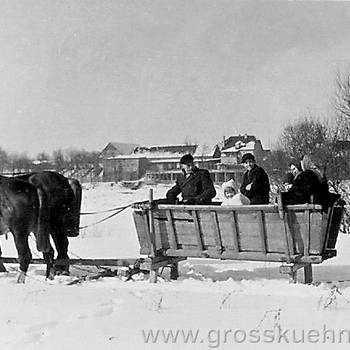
x,y
119,164
117,148
124,167
160,163
236,146
164,160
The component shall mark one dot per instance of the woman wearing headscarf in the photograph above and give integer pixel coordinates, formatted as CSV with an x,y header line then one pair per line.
x,y
322,193
305,185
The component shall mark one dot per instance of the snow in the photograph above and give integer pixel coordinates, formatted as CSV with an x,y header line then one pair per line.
x,y
230,304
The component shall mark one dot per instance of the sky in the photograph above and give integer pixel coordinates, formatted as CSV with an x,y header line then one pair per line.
x,y
80,74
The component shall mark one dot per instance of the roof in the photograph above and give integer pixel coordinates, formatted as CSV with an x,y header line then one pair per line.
x,y
207,151
240,146
120,147
179,149
232,140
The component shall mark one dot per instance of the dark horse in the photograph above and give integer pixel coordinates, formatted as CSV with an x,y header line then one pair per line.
x,y
59,203
20,213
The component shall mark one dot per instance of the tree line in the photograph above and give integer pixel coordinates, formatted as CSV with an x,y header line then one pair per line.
x,y
59,160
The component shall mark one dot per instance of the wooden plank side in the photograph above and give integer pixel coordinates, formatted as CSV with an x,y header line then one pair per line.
x,y
275,236
240,208
317,236
185,232
296,226
142,230
216,231
249,231
208,228
171,230
161,234
253,256
182,215
262,230
335,222
198,232
225,227
307,233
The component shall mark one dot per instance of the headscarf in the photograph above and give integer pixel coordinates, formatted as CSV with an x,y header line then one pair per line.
x,y
307,163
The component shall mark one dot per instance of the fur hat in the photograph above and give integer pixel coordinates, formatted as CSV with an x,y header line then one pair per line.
x,y
228,184
248,156
186,159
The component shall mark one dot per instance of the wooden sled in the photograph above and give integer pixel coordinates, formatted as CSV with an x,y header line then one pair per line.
x,y
296,235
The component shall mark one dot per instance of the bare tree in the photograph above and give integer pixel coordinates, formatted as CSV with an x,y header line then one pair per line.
x,y
342,102
307,136
59,160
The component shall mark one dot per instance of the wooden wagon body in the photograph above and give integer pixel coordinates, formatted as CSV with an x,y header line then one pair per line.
x,y
296,235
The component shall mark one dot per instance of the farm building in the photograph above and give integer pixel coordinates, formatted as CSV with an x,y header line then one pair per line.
x,y
117,163
124,167
164,160
236,146
160,163
117,148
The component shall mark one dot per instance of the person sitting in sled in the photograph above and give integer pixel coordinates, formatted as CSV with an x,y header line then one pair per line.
x,y
305,185
255,184
232,197
194,184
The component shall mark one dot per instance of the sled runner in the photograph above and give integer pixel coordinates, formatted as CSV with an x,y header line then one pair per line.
x,y
296,235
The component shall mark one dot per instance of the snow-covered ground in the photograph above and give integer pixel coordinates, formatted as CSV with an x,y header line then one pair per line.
x,y
223,305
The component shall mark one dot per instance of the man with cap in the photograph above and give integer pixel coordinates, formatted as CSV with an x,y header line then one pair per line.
x,y
194,184
255,184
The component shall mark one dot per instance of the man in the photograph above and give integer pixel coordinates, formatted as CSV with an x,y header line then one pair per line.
x,y
255,185
194,184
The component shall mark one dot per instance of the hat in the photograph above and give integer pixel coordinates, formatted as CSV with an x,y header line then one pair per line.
x,y
248,156
228,184
186,159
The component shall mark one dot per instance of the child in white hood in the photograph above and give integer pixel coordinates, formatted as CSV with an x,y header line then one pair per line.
x,y
231,195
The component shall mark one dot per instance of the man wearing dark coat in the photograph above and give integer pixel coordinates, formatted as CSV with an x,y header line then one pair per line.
x,y
255,184
193,183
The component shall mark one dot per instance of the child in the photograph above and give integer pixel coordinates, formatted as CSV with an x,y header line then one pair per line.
x,y
231,195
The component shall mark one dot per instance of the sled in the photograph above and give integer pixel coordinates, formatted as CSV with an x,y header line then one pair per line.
x,y
295,235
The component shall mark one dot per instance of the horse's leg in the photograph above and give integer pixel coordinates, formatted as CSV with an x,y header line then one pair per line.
x,y
49,257
61,243
24,254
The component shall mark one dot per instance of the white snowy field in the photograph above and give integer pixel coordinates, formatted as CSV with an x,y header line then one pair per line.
x,y
214,304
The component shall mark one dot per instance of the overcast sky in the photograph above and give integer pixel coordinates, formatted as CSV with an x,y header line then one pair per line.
x,y
83,73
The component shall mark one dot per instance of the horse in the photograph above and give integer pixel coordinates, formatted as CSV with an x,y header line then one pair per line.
x,y
60,202
20,214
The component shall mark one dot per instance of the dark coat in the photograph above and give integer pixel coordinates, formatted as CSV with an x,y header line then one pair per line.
x,y
305,185
259,193
198,188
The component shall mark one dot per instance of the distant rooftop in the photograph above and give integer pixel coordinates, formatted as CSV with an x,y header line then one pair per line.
x,y
119,148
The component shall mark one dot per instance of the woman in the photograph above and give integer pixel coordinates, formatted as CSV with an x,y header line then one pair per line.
x,y
305,185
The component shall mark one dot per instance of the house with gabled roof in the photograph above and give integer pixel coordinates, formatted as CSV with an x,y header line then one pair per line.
x,y
236,146
117,148
160,163
160,160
